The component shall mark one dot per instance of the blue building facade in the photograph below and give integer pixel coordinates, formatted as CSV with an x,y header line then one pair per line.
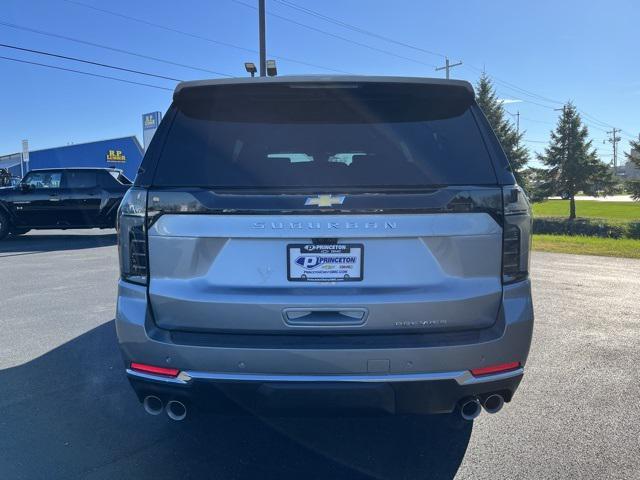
x,y
124,153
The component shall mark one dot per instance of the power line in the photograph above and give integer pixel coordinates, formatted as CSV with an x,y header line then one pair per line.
x,y
594,119
514,87
511,86
629,135
590,125
89,62
354,28
86,73
194,35
505,83
113,49
334,35
534,120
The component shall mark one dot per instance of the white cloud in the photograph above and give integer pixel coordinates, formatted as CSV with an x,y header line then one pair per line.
x,y
507,101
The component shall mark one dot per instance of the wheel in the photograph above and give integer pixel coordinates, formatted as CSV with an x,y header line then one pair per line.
x,y
19,231
4,225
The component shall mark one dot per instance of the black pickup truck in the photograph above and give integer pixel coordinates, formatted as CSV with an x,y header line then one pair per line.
x,y
62,198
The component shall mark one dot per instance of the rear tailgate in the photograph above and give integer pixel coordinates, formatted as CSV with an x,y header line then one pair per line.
x,y
420,272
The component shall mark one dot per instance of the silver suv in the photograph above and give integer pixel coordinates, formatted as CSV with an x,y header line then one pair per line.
x,y
329,242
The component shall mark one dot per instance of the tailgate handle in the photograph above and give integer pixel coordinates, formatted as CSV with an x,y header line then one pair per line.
x,y
325,317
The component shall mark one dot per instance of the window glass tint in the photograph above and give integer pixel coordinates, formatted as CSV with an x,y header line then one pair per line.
x,y
80,179
111,177
123,180
305,138
107,178
43,179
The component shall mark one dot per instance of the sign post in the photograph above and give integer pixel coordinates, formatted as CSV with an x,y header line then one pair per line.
x,y
24,164
150,122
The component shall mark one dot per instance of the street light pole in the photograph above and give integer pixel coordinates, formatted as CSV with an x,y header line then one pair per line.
x,y
263,47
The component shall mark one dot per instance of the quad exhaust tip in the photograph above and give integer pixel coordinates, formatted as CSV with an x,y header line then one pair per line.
x,y
176,410
470,409
152,405
493,403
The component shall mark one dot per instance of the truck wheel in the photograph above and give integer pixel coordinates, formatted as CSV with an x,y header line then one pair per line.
x,y
19,231
4,225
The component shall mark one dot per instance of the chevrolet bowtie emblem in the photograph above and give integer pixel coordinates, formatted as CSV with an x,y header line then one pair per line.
x,y
325,200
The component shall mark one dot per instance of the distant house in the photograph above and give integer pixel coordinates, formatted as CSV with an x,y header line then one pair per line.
x,y
631,170
124,153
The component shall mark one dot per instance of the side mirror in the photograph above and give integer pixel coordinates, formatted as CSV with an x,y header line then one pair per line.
x,y
24,187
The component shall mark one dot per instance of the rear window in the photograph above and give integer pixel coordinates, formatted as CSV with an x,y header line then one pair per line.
x,y
80,179
324,136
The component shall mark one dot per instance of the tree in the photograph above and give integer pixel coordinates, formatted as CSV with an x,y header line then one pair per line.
x,y
572,162
504,129
537,187
634,157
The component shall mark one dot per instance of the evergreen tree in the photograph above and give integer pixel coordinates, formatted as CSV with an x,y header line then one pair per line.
x,y
572,162
504,129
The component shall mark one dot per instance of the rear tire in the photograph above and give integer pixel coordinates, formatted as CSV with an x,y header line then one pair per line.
x,y
4,225
19,231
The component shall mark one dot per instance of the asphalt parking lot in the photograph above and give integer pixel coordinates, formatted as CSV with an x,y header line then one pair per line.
x,y
66,410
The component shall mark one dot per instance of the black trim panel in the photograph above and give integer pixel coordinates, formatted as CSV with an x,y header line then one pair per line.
x,y
467,199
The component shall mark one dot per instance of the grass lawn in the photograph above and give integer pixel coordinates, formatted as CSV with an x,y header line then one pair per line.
x,y
614,212
607,247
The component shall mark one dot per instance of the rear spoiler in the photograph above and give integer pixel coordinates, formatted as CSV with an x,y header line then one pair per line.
x,y
318,80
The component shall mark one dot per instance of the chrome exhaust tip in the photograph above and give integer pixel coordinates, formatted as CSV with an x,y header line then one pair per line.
x,y
176,410
493,403
470,409
152,405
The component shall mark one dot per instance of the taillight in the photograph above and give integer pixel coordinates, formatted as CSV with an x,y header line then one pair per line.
x,y
516,235
132,241
152,369
493,369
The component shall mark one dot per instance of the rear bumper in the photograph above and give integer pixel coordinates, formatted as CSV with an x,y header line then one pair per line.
x,y
416,377
394,394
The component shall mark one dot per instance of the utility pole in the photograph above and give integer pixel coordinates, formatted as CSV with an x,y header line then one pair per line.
x,y
448,66
614,139
517,117
263,47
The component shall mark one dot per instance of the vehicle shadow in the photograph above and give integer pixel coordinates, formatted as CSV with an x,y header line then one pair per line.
x,y
71,413
48,242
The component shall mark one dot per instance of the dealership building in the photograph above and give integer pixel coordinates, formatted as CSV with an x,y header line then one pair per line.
x,y
124,153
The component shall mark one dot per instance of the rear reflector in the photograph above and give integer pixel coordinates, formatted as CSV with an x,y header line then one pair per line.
x,y
167,372
503,367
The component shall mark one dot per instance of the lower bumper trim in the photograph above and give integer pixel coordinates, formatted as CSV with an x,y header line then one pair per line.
x,y
462,377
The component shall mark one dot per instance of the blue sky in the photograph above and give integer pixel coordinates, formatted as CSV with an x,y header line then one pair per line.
x,y
557,50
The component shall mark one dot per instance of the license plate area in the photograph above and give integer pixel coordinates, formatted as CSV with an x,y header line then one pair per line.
x,y
340,262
